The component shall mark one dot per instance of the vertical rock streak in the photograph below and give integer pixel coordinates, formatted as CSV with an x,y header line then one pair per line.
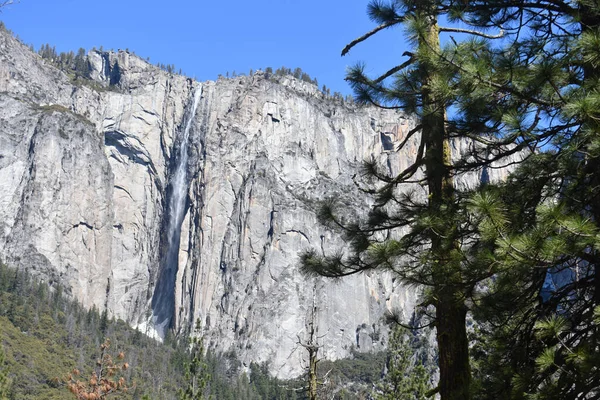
x,y
252,157
163,302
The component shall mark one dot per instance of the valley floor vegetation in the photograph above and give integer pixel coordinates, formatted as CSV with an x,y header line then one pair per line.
x,y
51,348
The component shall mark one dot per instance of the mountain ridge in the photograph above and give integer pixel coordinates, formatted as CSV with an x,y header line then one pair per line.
x,y
85,204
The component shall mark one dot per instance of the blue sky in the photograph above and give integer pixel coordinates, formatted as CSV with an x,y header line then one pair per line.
x,y
207,38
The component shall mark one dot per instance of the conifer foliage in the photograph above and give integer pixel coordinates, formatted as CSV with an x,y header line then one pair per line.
x,y
521,81
75,63
407,377
539,230
432,251
196,371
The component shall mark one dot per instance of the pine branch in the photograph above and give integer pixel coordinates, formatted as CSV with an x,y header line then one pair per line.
x,y
395,318
501,88
558,6
369,34
411,170
433,392
367,90
381,11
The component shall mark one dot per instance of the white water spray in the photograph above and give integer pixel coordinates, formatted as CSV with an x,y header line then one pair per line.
x,y
163,301
179,182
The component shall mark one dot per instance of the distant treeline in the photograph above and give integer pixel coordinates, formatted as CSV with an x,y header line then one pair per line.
x,y
76,65
297,73
44,335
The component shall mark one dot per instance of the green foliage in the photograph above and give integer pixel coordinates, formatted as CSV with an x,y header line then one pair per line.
x,y
169,68
361,368
76,64
296,73
46,336
540,230
407,377
267,387
196,372
5,382
522,256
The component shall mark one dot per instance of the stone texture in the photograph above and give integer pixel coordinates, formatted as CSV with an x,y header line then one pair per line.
x,y
84,178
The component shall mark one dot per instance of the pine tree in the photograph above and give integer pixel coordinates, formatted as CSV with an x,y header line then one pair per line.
x,y
538,318
531,84
407,377
297,73
433,252
80,63
106,380
196,371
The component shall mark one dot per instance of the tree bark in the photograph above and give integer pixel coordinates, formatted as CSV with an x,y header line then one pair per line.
x,y
455,374
312,372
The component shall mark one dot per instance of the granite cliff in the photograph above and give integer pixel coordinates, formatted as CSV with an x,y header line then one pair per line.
x,y
165,200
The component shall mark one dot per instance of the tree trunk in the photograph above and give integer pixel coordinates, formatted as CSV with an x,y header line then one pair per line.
x,y
455,374
453,349
312,373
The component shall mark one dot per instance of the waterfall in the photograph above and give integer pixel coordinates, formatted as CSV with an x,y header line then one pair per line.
x,y
179,182
163,301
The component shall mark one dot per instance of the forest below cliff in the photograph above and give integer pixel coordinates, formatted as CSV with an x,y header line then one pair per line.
x,y
46,336
505,265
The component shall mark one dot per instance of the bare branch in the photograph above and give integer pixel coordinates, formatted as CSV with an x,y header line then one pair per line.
x,y
397,68
369,34
4,3
396,320
472,32
410,134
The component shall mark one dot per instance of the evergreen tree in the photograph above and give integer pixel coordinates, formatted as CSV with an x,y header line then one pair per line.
x,y
531,84
539,231
80,63
196,371
406,376
434,251
297,73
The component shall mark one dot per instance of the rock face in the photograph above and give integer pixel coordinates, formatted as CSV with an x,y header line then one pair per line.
x,y
87,180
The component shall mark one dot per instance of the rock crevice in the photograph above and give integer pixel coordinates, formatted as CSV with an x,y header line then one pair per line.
x,y
86,181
